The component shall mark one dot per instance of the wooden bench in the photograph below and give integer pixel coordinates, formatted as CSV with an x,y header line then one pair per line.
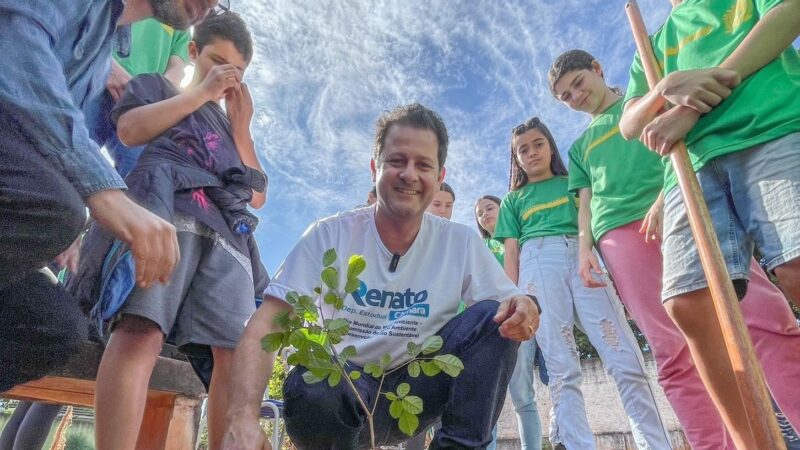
x,y
172,412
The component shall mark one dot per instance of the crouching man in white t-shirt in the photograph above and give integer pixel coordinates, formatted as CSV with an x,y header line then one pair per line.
x,y
418,268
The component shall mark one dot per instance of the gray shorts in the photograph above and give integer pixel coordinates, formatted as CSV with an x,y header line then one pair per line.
x,y
209,297
753,197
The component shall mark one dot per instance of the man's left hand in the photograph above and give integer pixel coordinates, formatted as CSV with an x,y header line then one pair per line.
x,y
117,81
518,317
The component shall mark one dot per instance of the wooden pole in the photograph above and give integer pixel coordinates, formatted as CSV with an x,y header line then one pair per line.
x,y
749,375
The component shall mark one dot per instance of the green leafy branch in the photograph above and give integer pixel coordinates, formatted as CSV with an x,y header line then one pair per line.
x,y
314,339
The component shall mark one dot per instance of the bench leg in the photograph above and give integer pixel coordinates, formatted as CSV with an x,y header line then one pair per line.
x,y
170,423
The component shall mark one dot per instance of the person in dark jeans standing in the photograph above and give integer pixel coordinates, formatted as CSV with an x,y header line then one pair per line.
x,y
56,65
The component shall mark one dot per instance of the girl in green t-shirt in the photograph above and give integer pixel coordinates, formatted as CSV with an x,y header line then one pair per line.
x,y
520,386
538,224
617,181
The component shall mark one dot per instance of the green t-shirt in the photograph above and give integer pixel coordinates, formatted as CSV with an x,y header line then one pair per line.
x,y
497,248
624,176
152,44
546,208
766,106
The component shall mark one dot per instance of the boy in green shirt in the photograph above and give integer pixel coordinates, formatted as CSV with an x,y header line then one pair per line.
x,y
618,180
734,79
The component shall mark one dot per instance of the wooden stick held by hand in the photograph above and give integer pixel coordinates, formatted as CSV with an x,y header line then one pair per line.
x,y
749,375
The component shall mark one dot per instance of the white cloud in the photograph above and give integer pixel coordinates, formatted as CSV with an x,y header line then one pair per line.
x,y
324,71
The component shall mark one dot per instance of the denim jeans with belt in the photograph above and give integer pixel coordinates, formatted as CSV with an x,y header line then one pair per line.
x,y
319,417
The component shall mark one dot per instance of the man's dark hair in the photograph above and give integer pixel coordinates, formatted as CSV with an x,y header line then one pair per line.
x,y
446,187
227,26
413,115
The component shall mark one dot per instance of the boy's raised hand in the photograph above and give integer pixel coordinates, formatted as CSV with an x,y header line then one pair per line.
x,y
700,89
219,80
239,106
152,239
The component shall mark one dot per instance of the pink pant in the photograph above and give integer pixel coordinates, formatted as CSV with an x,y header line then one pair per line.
x,y
636,269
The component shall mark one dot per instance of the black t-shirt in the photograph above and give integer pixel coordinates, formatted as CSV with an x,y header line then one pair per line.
x,y
202,139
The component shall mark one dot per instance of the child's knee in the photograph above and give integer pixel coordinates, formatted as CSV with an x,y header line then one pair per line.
x,y
691,312
138,331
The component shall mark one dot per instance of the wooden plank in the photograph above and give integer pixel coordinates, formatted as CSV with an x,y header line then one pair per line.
x,y
184,423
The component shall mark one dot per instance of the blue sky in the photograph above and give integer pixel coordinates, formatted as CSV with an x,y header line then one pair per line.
x,y
325,71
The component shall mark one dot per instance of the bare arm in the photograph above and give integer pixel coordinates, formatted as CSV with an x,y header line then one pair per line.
x,y
511,259
638,112
585,238
239,105
143,124
174,72
771,35
587,260
699,90
252,368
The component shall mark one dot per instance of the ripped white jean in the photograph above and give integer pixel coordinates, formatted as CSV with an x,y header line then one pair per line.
x,y
548,269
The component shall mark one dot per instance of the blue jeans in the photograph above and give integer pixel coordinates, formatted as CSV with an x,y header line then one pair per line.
x,y
319,417
524,398
753,197
104,133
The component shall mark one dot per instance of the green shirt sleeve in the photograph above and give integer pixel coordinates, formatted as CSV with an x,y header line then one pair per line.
x,y
764,6
180,45
578,177
637,85
507,223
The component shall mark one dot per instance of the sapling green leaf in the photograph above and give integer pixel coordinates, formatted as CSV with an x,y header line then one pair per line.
x,y
292,297
449,364
352,284
403,389
412,404
330,276
408,423
429,368
334,378
355,265
395,408
432,344
373,369
318,290
355,375
329,257
386,359
414,369
338,326
310,378
272,342
330,298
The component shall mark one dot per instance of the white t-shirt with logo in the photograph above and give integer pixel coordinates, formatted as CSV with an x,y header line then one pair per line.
x,y
446,263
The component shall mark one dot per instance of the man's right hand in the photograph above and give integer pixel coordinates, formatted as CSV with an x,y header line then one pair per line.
x,y
245,434
152,239
700,89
